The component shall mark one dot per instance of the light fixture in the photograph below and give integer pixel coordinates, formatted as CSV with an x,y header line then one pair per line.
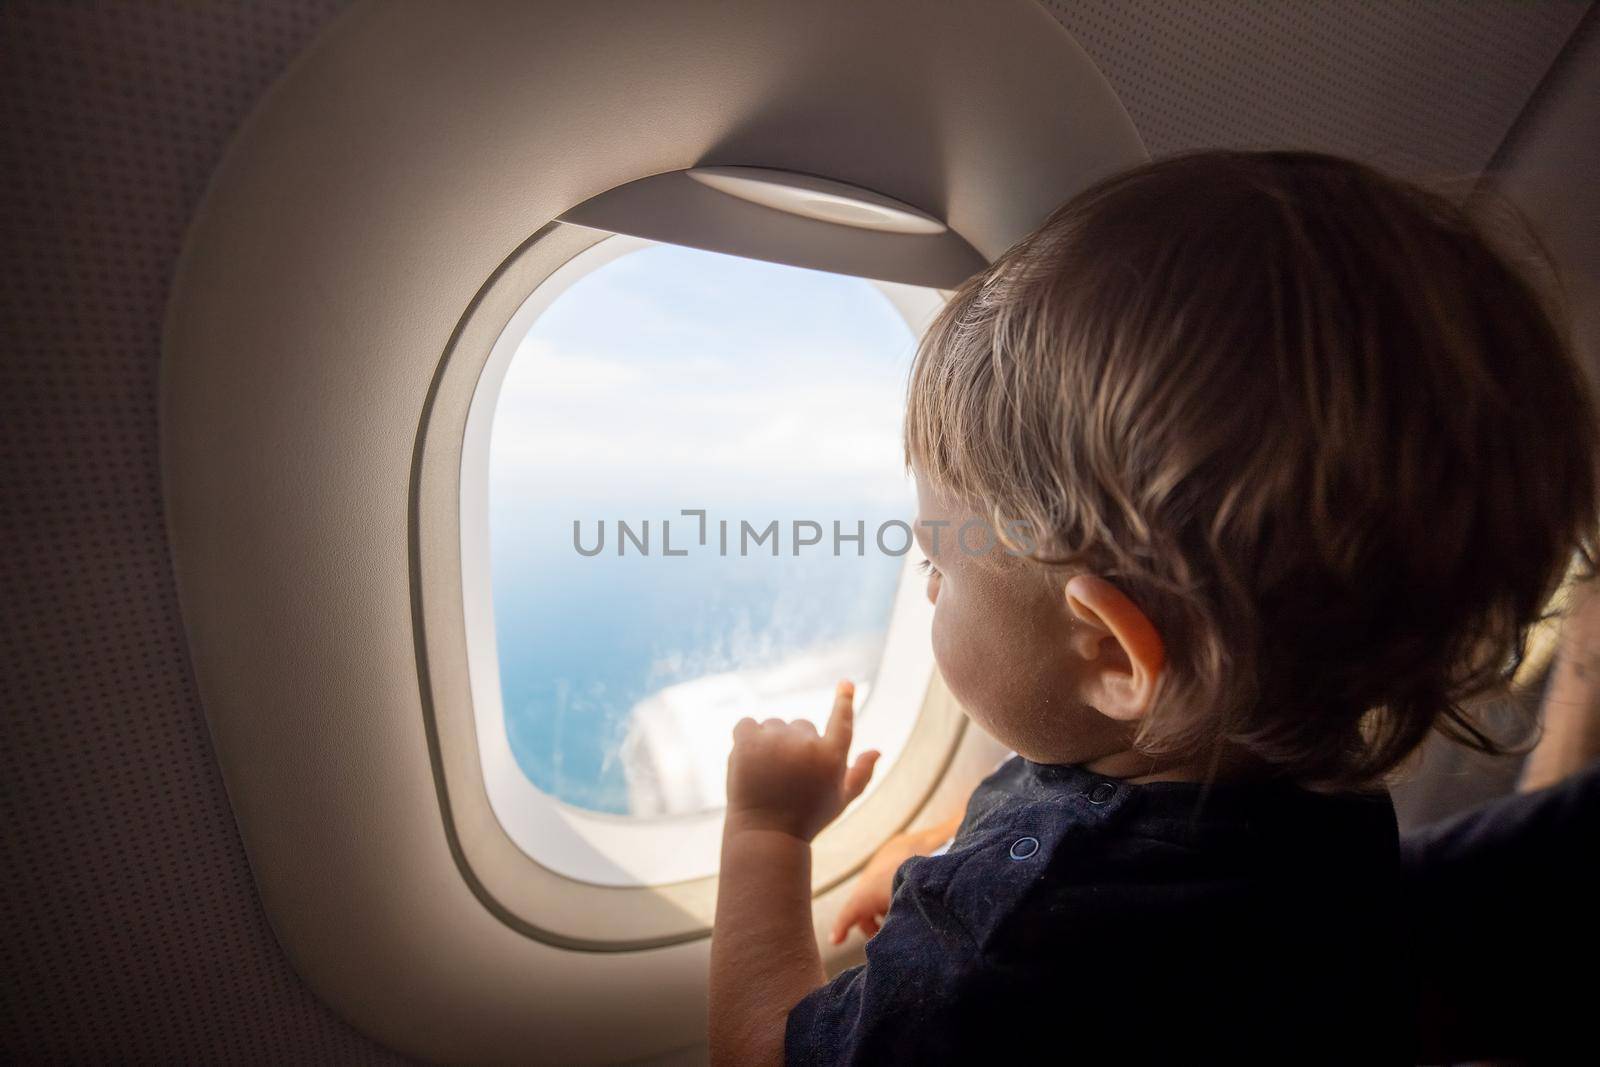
x,y
818,198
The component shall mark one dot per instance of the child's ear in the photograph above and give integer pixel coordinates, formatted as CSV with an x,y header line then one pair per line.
x,y
1119,644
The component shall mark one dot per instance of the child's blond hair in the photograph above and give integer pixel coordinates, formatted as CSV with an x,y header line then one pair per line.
x,y
1305,415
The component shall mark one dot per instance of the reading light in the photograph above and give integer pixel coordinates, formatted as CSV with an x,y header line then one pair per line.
x,y
818,198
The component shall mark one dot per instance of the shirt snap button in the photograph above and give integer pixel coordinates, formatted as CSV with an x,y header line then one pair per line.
x,y
1102,793
1023,847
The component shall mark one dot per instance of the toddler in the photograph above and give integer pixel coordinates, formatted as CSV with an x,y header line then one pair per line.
x,y
1277,458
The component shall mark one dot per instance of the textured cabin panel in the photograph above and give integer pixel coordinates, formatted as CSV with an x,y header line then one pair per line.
x,y
131,928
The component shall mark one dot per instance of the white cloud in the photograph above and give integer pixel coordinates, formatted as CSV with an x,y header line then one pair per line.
x,y
653,404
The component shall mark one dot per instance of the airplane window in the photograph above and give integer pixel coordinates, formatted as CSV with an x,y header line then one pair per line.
x,y
696,512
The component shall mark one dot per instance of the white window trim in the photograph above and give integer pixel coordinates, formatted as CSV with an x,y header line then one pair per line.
x,y
616,850
311,460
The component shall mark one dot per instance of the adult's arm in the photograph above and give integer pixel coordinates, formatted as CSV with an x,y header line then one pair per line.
x,y
1570,714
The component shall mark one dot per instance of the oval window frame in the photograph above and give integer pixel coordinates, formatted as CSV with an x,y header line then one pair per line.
x,y
623,851
470,754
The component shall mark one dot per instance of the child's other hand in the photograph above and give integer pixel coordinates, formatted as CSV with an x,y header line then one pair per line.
x,y
869,900
784,776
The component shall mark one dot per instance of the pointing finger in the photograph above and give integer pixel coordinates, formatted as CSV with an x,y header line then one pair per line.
x,y
841,722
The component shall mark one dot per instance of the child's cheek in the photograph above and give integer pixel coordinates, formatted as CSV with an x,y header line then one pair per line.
x,y
955,650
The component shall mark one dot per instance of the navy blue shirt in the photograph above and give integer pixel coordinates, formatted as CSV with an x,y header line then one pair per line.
x,y
1078,915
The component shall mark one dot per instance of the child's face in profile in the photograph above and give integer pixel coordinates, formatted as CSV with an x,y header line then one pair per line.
x,y
1006,642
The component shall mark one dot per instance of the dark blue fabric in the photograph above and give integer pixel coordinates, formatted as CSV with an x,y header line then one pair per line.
x,y
1505,927
1150,922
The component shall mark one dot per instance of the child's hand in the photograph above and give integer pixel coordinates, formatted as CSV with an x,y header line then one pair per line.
x,y
783,776
869,900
